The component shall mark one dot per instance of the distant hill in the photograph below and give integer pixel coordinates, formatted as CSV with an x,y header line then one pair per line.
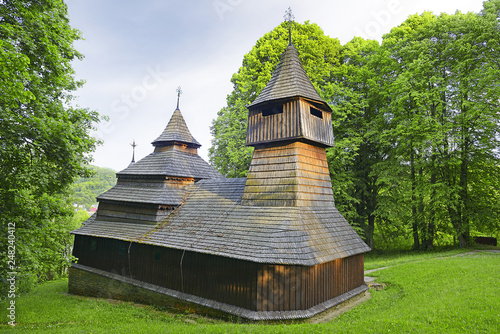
x,y
85,190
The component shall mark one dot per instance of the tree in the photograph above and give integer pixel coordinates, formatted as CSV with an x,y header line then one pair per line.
x,y
44,142
353,91
319,55
443,124
406,132
228,152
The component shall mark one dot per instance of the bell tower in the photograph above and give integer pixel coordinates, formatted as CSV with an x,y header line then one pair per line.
x,y
290,126
289,108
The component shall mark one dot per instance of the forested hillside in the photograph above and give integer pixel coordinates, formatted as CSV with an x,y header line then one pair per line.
x,y
86,189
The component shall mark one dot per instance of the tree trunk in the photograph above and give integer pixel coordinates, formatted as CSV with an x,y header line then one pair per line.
x,y
370,230
416,241
464,164
464,226
431,225
421,214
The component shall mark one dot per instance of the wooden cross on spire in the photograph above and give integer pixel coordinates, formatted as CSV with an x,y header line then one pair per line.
x,y
179,92
134,145
289,18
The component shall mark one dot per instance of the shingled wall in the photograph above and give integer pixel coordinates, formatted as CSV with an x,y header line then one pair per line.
x,y
293,174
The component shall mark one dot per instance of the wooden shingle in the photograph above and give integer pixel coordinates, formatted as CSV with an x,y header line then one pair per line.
x,y
212,221
176,131
291,174
288,80
144,192
171,163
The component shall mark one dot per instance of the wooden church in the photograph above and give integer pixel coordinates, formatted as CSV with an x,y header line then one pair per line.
x,y
271,246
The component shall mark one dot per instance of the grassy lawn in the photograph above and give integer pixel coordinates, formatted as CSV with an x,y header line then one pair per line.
x,y
425,293
383,259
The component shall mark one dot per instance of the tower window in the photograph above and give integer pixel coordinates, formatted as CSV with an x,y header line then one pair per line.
x,y
316,112
157,256
272,110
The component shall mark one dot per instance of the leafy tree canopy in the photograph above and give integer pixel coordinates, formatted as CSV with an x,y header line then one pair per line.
x,y
442,124
44,142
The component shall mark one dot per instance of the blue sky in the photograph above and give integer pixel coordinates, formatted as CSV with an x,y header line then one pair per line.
x,y
138,52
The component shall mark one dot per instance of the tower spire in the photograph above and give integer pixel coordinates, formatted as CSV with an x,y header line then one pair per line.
x,y
133,150
289,17
176,131
179,92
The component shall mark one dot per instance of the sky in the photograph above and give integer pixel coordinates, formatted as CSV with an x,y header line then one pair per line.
x,y
138,52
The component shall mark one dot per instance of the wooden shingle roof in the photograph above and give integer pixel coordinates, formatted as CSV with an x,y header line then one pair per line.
x,y
108,229
289,80
176,131
213,221
171,163
144,192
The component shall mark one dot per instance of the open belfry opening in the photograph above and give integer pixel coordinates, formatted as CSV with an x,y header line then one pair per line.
x,y
271,246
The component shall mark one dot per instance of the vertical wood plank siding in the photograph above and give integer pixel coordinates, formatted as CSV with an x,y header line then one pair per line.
x,y
296,121
284,125
253,286
146,214
315,128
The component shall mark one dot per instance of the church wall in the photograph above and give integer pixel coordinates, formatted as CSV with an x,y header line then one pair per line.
x,y
286,120
316,124
86,281
222,279
248,285
287,288
134,213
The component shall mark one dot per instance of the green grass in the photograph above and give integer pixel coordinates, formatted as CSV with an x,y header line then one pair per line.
x,y
440,295
376,259
425,293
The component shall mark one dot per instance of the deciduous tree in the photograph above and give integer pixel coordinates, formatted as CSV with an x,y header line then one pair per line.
x,y
44,141
353,91
443,124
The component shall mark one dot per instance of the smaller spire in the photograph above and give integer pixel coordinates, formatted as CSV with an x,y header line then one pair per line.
x,y
289,17
133,150
176,131
179,92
